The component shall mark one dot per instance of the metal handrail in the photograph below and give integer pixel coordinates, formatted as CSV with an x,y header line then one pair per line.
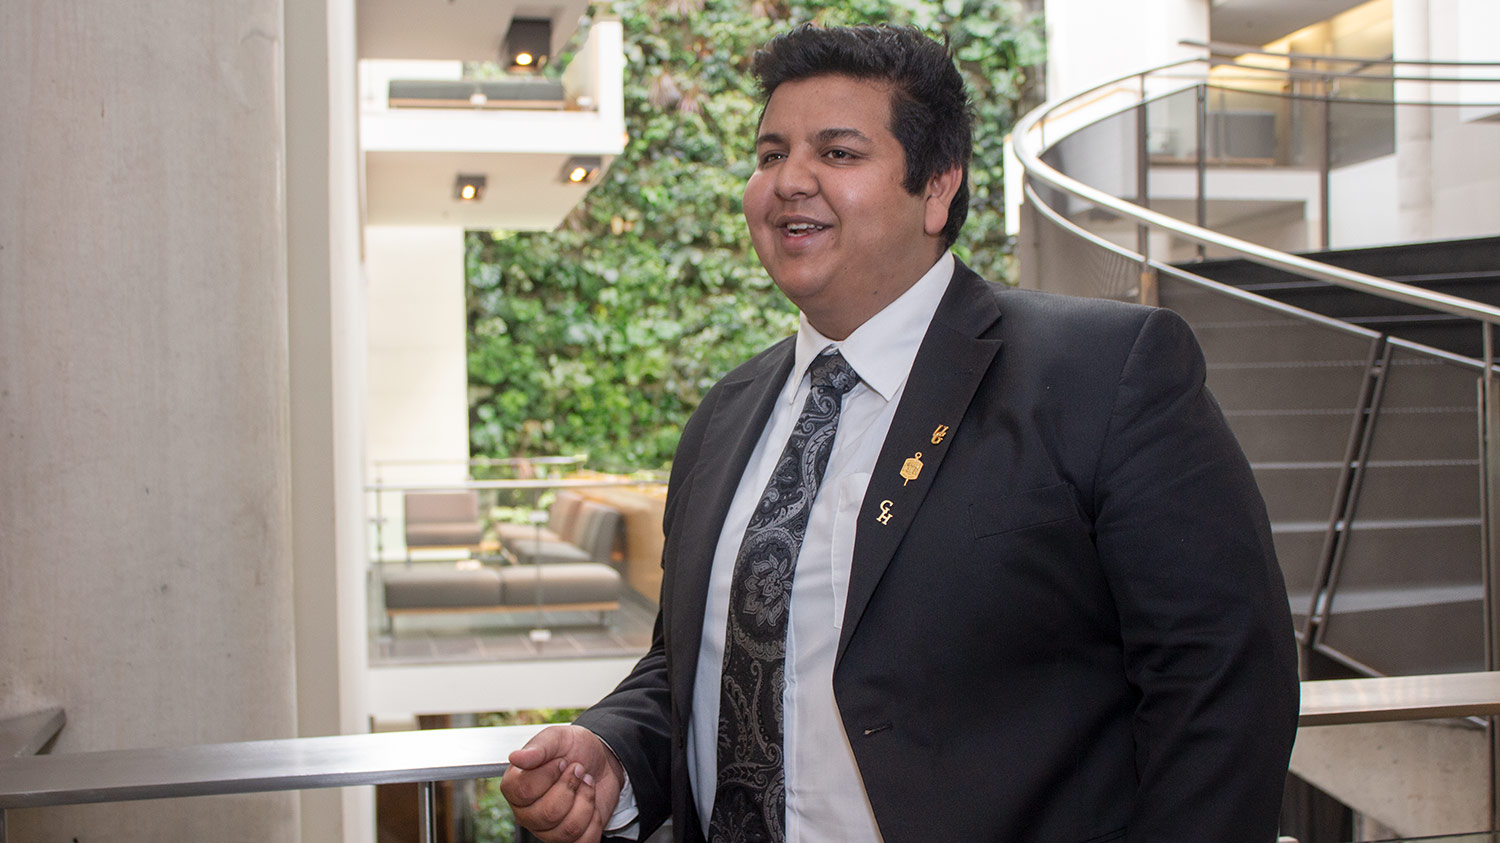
x,y
1226,49
1034,167
423,757
1219,84
576,459
431,755
1330,75
1093,239
524,483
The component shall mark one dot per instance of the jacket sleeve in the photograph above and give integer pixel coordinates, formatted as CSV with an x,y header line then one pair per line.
x,y
635,719
1185,543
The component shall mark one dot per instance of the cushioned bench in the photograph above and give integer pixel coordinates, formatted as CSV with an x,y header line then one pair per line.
x,y
562,517
596,531
580,587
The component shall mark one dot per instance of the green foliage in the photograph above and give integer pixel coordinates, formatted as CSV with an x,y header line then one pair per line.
x,y
602,337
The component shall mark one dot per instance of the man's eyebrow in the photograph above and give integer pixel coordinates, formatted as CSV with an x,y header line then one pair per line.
x,y
838,134
822,136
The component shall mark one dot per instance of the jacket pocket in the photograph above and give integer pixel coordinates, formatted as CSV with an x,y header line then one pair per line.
x,y
1117,834
1033,508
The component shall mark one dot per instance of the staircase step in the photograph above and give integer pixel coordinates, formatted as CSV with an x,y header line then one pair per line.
x,y
1448,257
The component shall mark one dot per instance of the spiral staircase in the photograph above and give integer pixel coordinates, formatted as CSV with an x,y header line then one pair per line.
x,y
1361,379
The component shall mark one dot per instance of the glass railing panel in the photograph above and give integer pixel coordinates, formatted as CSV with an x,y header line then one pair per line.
x,y
1407,596
1175,179
486,587
1263,152
1290,389
1172,128
1102,155
1361,127
1067,263
1246,128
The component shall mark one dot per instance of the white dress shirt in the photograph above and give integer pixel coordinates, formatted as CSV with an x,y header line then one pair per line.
x,y
825,798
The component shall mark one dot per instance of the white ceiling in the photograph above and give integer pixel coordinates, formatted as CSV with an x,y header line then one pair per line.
x,y
461,30
524,190
1255,22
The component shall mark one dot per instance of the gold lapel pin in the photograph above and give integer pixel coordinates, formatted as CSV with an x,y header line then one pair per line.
x,y
911,468
885,512
937,435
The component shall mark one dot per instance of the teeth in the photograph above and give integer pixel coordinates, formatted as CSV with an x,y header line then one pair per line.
x,y
799,227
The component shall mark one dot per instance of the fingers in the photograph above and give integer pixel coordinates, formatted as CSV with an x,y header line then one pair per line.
x,y
535,767
580,815
566,813
545,745
556,783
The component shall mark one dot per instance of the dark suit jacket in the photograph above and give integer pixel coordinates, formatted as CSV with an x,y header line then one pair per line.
x,y
1073,627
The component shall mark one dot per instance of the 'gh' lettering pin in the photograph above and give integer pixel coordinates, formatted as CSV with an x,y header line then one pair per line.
x,y
937,435
911,468
885,512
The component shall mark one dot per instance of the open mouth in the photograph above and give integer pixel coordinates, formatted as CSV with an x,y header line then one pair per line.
x,y
797,228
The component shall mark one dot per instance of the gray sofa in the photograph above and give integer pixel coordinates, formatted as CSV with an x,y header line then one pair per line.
x,y
475,588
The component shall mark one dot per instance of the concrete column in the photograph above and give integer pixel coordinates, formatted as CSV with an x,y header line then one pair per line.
x,y
418,372
327,351
1411,39
145,566
418,364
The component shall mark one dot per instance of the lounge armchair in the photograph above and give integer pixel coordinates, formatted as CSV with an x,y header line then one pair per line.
x,y
442,520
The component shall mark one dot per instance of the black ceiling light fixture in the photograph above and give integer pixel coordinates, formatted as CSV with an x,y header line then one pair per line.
x,y
581,169
468,188
526,45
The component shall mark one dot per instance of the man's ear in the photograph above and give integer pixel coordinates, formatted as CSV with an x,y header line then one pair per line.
x,y
940,191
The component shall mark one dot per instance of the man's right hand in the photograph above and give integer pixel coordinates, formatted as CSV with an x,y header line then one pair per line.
x,y
563,785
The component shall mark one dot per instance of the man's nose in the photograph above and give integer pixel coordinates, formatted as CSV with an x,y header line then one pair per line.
x,y
795,178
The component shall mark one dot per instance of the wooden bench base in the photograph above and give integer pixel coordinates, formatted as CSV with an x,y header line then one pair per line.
x,y
602,607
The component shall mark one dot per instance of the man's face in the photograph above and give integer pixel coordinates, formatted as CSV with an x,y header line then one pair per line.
x,y
826,210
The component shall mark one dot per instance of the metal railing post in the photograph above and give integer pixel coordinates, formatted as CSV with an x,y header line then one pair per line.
x,y
1201,216
1490,575
426,816
1325,166
1143,196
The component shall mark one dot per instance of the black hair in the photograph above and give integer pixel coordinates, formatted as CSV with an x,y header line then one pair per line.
x,y
930,113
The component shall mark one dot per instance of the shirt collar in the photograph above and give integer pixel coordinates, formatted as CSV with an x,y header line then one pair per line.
x,y
882,350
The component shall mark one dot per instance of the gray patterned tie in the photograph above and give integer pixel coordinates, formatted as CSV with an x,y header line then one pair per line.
x,y
750,796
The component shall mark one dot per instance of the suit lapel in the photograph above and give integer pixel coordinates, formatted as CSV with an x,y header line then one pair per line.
x,y
949,365
738,416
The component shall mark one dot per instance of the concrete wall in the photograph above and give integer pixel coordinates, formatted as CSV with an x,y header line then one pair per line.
x,y
1362,204
1415,778
1090,42
1449,174
145,540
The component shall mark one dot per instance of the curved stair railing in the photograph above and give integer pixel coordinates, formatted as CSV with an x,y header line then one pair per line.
x,y
1369,407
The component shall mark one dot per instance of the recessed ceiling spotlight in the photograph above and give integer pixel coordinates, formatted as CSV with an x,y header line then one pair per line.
x,y
468,188
581,169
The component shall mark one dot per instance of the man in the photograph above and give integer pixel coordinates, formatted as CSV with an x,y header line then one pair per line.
x,y
1032,595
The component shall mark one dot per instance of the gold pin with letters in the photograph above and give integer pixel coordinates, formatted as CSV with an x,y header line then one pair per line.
x,y
885,512
911,468
937,435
